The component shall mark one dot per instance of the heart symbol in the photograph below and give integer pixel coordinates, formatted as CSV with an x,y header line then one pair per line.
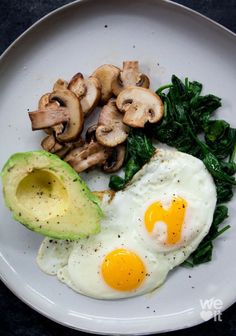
x,y
206,315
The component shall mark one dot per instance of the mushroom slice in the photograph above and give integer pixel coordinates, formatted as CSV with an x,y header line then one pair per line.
x,y
42,119
87,90
115,161
43,104
60,84
74,124
51,145
106,74
69,113
129,76
87,156
140,105
111,131
91,133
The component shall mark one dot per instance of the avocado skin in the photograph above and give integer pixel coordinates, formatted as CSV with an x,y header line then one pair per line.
x,y
77,222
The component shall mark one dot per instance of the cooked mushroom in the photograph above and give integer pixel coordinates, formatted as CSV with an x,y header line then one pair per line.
x,y
115,161
60,84
91,133
69,113
140,105
87,90
45,103
51,145
111,131
106,74
87,156
129,76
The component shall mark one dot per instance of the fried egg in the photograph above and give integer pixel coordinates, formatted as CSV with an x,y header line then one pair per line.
x,y
148,228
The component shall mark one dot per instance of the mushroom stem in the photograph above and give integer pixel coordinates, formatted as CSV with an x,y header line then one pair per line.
x,y
88,156
47,118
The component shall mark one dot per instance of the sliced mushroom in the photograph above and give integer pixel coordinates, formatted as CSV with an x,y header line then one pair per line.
x,y
129,76
106,74
87,156
111,131
69,113
44,104
42,119
115,161
140,105
91,133
87,90
51,145
60,84
74,125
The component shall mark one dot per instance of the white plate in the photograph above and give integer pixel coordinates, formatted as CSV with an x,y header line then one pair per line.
x,y
166,38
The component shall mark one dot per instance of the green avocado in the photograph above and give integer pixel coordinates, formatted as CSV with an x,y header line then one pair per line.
x,y
47,196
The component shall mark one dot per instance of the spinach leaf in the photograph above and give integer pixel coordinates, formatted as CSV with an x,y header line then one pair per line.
x,y
204,251
116,182
224,191
139,150
220,138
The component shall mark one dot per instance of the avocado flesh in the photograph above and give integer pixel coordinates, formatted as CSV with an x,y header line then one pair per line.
x,y
47,196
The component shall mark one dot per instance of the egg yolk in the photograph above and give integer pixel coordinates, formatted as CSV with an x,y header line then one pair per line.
x,y
173,217
123,270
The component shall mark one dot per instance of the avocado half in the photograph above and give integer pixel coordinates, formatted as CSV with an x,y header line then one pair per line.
x,y
47,196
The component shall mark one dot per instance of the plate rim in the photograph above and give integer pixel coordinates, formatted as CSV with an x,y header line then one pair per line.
x,y
24,297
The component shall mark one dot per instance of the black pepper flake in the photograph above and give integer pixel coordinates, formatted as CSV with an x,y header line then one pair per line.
x,y
75,180
106,26
189,276
118,236
147,307
20,214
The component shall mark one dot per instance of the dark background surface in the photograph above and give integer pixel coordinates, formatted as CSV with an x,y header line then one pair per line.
x,y
17,319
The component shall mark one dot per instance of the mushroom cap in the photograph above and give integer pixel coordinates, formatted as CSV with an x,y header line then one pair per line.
x,y
115,161
77,85
140,105
111,131
87,156
42,105
60,84
87,90
129,76
106,74
74,125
